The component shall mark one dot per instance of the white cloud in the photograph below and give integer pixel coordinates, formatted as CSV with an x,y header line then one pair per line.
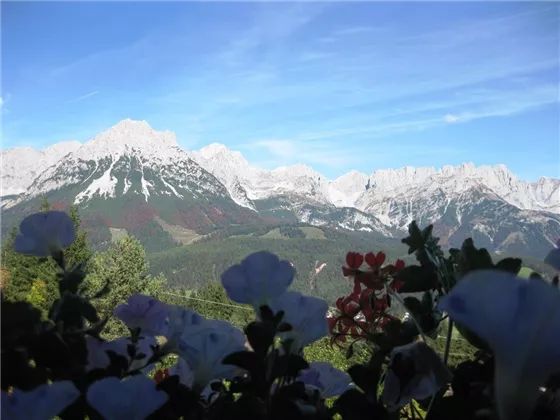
x,y
450,118
3,101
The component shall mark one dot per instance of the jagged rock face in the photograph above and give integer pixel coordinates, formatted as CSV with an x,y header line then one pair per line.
x,y
132,173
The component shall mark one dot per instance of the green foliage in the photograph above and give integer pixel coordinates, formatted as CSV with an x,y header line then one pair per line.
x,y
25,273
124,267
22,272
79,251
37,294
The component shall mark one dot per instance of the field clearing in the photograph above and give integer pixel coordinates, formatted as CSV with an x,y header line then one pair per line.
x,y
117,233
313,232
180,234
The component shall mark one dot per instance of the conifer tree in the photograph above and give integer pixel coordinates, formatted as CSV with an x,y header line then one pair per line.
x,y
79,251
124,267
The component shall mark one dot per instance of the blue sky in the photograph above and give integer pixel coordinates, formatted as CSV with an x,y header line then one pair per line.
x,y
337,86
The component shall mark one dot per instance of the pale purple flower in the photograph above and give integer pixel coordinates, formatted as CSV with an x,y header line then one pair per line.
x,y
306,314
183,371
133,398
99,359
429,374
258,280
520,320
329,380
179,319
44,402
203,347
44,234
143,312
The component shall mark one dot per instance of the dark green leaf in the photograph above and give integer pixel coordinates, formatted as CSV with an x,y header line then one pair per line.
x,y
417,279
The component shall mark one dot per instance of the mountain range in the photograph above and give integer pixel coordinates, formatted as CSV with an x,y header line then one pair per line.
x,y
134,178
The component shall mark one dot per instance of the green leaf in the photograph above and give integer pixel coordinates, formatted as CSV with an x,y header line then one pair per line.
x,y
417,279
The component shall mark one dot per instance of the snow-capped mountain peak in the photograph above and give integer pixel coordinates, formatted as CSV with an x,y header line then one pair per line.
x,y
127,135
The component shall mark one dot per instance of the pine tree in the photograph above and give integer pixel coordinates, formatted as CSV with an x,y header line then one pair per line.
x,y
79,251
125,268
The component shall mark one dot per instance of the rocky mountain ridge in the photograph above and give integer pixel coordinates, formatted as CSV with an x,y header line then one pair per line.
x,y
131,167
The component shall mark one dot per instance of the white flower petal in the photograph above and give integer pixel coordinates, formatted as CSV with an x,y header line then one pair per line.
x,y
184,371
516,317
259,279
179,318
51,231
132,399
520,321
30,246
143,312
329,380
306,314
204,347
44,402
431,375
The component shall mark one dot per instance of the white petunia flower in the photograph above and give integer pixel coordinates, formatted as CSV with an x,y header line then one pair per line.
x,y
99,359
204,346
258,280
327,379
415,372
143,312
45,234
520,321
133,398
306,314
44,402
180,318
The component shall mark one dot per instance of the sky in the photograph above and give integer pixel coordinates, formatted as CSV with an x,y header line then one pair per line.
x,y
336,86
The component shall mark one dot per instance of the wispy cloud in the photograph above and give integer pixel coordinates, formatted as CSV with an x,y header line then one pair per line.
x,y
357,30
81,98
300,81
450,118
3,101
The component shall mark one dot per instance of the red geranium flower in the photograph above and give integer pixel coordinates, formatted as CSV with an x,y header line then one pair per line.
x,y
374,261
354,261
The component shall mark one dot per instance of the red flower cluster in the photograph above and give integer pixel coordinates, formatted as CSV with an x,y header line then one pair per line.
x,y
160,375
364,311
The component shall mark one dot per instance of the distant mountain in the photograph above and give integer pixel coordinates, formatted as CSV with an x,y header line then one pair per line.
x,y
132,177
135,178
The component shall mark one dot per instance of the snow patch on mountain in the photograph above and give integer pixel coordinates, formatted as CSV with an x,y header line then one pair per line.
x,y
104,186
